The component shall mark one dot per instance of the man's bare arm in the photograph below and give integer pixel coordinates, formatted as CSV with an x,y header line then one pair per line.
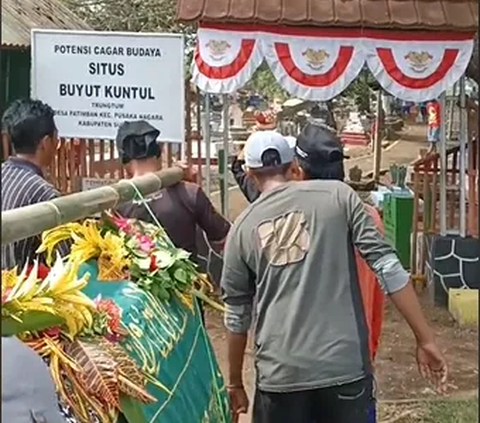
x,y
237,343
406,302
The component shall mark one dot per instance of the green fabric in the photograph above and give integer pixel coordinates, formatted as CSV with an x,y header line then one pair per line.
x,y
169,342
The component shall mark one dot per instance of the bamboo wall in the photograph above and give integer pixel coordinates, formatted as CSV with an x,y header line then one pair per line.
x,y
77,159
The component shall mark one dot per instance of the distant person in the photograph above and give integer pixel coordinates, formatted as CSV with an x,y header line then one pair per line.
x,y
30,127
434,123
28,391
290,263
423,111
322,114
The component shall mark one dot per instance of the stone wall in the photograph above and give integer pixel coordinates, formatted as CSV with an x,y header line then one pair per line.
x,y
452,262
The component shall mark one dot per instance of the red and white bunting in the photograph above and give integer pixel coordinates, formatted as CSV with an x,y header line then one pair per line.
x,y
318,64
313,68
419,69
225,61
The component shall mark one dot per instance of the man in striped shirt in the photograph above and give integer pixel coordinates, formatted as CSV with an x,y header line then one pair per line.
x,y
30,127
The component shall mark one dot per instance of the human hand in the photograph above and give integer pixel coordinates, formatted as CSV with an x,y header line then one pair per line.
x,y
241,154
189,172
238,402
432,365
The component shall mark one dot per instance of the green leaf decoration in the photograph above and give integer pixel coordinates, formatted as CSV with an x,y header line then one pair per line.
x,y
182,255
164,259
131,410
30,321
181,275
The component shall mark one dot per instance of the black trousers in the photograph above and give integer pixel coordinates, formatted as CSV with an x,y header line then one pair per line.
x,y
348,403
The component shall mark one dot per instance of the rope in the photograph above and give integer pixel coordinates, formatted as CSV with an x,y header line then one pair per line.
x,y
142,199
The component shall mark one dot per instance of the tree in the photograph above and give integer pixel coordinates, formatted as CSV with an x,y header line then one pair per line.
x,y
134,16
361,90
265,83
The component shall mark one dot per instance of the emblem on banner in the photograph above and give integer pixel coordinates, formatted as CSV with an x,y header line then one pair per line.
x,y
419,61
218,49
315,58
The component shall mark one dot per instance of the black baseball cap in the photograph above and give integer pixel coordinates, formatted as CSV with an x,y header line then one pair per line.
x,y
136,139
318,145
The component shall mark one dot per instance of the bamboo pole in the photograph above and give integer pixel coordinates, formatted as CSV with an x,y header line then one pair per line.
x,y
29,221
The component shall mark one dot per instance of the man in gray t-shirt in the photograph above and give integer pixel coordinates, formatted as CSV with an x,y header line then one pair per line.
x,y
293,249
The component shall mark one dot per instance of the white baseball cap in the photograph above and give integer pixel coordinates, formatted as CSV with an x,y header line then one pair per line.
x,y
260,142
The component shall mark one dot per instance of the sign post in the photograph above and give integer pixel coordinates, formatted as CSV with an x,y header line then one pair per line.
x,y
96,80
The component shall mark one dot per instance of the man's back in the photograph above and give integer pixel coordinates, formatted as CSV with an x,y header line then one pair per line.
x,y
22,185
310,326
179,209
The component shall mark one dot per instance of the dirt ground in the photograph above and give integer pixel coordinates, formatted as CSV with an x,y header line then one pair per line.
x,y
395,367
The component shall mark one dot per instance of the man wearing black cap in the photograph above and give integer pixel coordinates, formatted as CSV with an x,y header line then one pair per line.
x,y
292,250
319,152
179,208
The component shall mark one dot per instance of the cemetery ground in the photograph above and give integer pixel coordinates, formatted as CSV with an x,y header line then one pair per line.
x,y
403,396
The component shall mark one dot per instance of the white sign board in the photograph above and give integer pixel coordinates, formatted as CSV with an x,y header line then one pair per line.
x,y
92,183
96,80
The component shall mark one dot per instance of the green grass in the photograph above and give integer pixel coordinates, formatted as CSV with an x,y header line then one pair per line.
x,y
461,411
453,412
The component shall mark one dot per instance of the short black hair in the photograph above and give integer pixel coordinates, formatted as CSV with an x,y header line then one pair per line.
x,y
27,122
334,170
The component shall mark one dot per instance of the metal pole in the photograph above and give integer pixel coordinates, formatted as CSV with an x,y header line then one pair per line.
x,y
208,145
443,166
226,150
463,138
377,140
30,221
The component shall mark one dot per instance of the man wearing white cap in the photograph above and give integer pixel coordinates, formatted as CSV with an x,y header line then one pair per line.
x,y
293,251
244,181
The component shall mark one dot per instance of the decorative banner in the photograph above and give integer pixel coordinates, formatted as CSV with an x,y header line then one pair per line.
x,y
313,68
318,64
420,69
225,61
